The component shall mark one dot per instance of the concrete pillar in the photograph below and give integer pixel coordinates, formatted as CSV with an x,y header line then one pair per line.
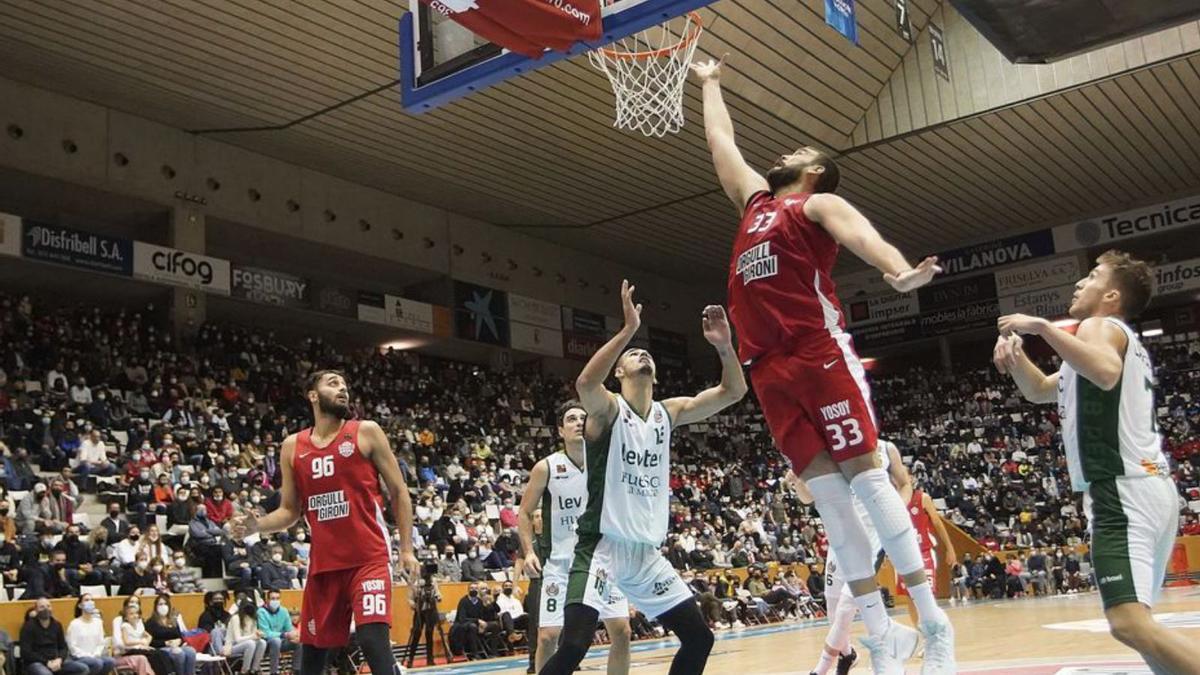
x,y
188,306
944,348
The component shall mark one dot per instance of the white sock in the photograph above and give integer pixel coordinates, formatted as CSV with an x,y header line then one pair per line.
x,y
839,623
824,663
927,607
874,612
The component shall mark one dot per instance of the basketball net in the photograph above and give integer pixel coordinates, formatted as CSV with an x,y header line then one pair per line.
x,y
647,72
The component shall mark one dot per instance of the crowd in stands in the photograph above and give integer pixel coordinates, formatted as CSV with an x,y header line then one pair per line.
x,y
177,439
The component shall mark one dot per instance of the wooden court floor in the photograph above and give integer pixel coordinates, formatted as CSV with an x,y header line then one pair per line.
x,y
1032,636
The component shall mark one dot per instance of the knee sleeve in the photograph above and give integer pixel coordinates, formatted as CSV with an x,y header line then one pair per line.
x,y
891,519
847,537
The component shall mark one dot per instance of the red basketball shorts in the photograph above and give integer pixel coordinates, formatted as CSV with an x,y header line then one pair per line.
x,y
930,571
816,399
332,598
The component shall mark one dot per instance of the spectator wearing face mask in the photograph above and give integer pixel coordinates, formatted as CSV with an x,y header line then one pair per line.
x,y
472,566
44,645
469,624
20,474
138,576
8,524
449,568
10,560
81,564
275,573
180,512
140,498
38,511
220,510
93,458
275,626
85,638
180,577
235,554
167,631
50,579
205,538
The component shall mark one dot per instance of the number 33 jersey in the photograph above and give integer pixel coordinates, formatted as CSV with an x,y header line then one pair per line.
x,y
337,489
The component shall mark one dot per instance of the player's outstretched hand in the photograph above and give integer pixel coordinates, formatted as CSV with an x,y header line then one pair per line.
x,y
915,277
708,70
1021,324
1002,354
242,525
632,312
532,566
716,326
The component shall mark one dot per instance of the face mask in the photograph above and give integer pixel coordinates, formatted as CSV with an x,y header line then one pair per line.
x,y
157,569
4,511
145,475
180,562
218,499
141,565
88,606
508,591
163,610
277,557
201,514
43,615
472,555
300,536
255,499
474,594
274,605
56,493
137,457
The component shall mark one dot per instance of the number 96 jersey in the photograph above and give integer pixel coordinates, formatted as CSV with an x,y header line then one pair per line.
x,y
338,493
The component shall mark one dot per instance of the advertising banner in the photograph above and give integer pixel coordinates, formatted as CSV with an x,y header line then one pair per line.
x,y
408,314
579,346
1177,276
1173,215
74,248
536,339
535,312
334,300
1041,274
270,288
996,253
180,268
1050,303
957,292
583,322
10,234
371,307
882,308
963,317
480,314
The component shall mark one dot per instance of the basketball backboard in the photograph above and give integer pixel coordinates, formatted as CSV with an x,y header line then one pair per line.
x,y
441,61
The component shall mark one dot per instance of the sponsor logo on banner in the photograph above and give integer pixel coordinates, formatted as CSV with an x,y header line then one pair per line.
x,y
535,312
1178,276
966,317
536,339
670,349
10,234
957,292
840,15
580,347
883,308
65,246
582,321
1048,302
1043,274
180,268
480,313
887,333
408,314
1172,215
996,253
333,300
371,307
270,288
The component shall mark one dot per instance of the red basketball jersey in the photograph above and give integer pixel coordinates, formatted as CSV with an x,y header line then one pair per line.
x,y
339,496
780,276
921,521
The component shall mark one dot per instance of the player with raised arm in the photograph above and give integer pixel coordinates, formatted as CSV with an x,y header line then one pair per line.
x,y
559,483
628,437
1105,395
331,473
810,383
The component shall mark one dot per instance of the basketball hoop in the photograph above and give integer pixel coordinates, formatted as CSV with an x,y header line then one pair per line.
x,y
647,71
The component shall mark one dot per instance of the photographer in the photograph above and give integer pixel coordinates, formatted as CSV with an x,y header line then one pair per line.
x,y
423,598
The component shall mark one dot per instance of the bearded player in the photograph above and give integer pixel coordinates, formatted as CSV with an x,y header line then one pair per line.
x,y
809,381
1105,395
331,475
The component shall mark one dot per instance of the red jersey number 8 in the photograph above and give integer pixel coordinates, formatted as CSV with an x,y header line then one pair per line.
x,y
322,467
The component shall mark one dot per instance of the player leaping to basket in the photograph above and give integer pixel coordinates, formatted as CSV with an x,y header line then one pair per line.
x,y
809,381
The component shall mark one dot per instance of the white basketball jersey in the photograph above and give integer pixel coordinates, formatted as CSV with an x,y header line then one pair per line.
x,y
1112,433
563,503
631,485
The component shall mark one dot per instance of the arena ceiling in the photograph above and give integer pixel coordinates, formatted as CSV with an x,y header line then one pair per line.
x,y
995,148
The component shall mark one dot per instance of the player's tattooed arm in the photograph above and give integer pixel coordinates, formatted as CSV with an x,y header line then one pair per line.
x,y
599,402
288,511
688,409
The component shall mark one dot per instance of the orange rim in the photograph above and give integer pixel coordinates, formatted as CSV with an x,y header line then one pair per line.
x,y
696,27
